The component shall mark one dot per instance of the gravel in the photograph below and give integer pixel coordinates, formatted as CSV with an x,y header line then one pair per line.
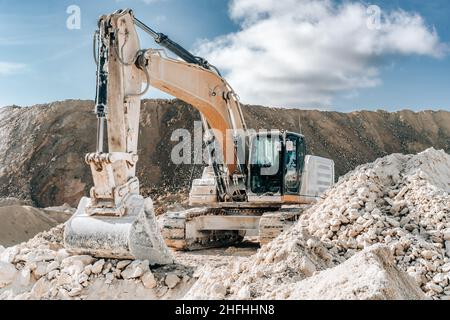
x,y
390,218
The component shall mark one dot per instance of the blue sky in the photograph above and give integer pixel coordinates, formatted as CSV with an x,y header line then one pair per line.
x,y
416,83
43,61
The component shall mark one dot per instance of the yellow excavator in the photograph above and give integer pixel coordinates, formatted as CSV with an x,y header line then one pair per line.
x,y
254,183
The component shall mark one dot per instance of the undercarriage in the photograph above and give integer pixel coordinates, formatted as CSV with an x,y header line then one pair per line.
x,y
203,227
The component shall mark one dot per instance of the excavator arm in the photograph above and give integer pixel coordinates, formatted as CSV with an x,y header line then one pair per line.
x,y
116,221
122,69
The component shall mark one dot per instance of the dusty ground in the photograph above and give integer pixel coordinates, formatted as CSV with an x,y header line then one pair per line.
x,y
219,256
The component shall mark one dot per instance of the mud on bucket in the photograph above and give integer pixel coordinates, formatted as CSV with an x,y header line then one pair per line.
x,y
133,236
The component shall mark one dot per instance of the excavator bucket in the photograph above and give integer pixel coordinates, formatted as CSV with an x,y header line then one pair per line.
x,y
133,236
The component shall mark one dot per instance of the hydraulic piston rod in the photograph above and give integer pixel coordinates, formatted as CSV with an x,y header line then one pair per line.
x,y
101,103
166,42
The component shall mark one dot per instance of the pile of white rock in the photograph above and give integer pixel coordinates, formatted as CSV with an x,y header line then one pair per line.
x,y
40,270
291,257
371,274
400,200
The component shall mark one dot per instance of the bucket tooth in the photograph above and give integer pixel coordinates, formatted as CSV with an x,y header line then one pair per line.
x,y
133,236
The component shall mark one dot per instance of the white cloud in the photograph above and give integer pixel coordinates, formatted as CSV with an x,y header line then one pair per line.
x,y
301,53
160,18
11,68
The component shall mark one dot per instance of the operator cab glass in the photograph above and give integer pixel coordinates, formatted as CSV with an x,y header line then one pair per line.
x,y
276,163
293,163
265,169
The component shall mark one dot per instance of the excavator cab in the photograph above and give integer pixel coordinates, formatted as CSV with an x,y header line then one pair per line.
x,y
276,163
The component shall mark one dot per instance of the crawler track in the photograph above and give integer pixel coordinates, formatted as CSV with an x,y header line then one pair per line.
x,y
272,223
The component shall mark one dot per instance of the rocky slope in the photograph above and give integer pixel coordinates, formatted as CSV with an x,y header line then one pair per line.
x,y
42,147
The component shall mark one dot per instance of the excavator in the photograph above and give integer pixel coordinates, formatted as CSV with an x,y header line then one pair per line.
x,y
255,182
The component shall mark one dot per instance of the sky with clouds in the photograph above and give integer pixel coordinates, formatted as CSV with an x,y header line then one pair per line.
x,y
331,55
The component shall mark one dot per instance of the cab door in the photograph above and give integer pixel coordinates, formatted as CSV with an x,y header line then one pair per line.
x,y
266,164
294,157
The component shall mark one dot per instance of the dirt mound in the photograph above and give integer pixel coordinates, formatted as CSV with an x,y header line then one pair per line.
x,y
402,201
5,202
368,275
42,147
289,258
20,222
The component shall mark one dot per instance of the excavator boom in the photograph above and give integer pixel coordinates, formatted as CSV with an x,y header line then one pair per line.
x,y
116,221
